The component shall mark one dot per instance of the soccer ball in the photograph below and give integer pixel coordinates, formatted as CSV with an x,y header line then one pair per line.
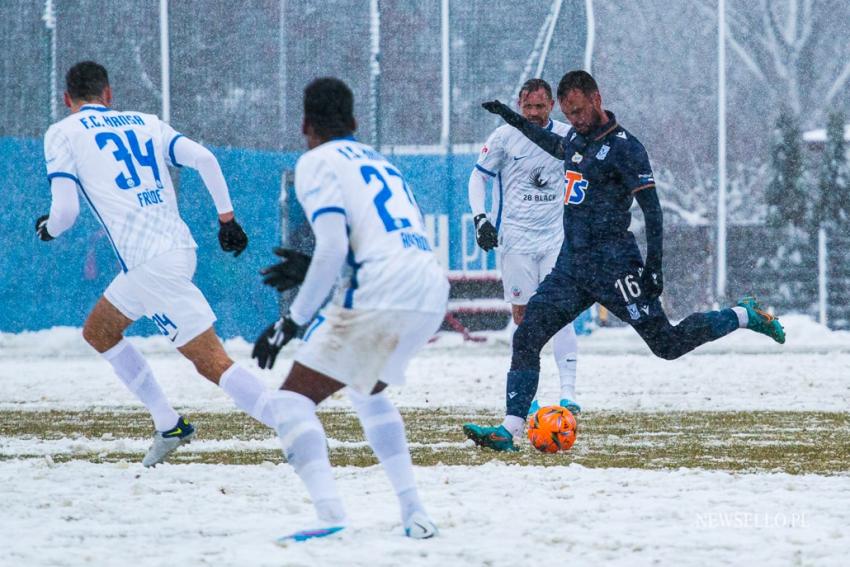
x,y
552,429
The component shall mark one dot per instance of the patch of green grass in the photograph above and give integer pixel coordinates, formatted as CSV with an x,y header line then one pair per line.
x,y
792,442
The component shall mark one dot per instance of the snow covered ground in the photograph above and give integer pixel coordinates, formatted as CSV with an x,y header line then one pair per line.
x,y
81,513
744,371
86,514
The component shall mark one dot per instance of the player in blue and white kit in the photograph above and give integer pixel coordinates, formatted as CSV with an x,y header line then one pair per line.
x,y
527,203
118,160
390,299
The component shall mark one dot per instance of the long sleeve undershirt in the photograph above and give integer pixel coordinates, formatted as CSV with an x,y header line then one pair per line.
x,y
654,217
328,258
477,192
64,206
192,154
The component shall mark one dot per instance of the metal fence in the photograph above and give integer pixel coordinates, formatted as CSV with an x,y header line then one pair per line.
x,y
234,73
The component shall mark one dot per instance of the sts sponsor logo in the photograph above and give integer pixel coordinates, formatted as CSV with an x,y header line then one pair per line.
x,y
576,187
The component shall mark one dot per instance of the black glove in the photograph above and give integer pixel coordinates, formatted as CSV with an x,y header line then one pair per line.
x,y
231,237
651,282
289,273
269,343
41,228
503,110
485,233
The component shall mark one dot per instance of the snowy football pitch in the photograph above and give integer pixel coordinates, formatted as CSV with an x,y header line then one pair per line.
x,y
736,453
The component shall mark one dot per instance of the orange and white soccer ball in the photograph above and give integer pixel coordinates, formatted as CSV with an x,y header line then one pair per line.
x,y
552,429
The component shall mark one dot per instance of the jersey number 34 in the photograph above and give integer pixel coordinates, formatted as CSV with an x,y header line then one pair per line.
x,y
129,158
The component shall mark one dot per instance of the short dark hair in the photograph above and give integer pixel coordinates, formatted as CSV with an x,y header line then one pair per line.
x,y
577,80
86,80
329,107
534,85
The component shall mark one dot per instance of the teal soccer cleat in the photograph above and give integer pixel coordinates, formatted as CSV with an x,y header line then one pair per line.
x,y
574,408
496,438
535,405
166,442
761,321
305,535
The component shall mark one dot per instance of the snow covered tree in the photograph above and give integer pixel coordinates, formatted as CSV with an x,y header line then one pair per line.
x,y
833,204
785,194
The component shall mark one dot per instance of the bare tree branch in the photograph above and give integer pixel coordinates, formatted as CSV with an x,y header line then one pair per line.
x,y
748,61
739,49
774,36
805,26
837,84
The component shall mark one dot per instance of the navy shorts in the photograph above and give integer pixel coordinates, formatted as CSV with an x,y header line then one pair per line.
x,y
608,275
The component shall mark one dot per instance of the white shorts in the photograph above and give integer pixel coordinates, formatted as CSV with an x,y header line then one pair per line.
x,y
361,347
522,273
162,290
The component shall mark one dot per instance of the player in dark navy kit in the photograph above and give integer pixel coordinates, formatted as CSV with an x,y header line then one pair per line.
x,y
605,168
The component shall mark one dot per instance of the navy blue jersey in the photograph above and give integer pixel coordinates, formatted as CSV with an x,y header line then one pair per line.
x,y
602,172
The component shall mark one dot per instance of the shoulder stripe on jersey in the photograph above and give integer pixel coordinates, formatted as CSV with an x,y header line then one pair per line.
x,y
97,214
501,201
52,176
613,127
482,170
171,150
325,210
642,187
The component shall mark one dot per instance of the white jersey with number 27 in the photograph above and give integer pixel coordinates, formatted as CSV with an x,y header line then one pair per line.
x,y
390,263
118,160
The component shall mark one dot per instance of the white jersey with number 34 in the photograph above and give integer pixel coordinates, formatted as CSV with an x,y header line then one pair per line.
x,y
118,160
390,263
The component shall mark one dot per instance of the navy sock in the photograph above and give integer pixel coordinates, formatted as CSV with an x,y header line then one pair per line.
x,y
522,385
724,323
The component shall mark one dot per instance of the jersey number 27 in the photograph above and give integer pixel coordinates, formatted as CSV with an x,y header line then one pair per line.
x,y
391,223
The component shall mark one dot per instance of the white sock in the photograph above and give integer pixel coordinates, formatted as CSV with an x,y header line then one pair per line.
x,y
306,449
384,429
565,346
136,374
250,395
743,316
513,424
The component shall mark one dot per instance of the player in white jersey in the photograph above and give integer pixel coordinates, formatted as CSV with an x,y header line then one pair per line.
x,y
118,161
390,299
528,208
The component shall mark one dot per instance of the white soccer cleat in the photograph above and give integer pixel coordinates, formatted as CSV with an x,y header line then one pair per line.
x,y
420,526
166,442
